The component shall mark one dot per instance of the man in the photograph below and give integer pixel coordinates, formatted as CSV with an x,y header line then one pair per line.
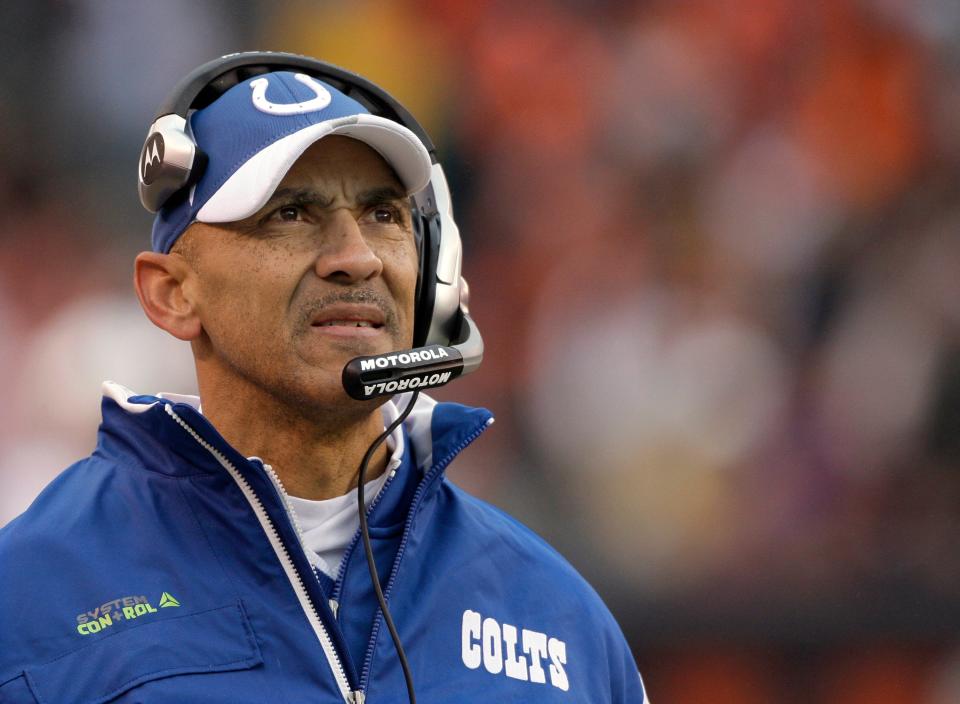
x,y
208,550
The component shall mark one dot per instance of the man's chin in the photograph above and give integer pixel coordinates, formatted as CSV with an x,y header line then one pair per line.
x,y
335,353
316,391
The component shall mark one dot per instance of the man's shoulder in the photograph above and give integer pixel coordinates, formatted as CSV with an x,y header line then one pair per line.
x,y
511,547
88,499
502,524
57,512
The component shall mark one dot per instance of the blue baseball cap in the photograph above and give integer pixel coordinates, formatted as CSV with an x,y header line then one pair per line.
x,y
255,131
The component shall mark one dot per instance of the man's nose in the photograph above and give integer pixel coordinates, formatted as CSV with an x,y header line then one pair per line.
x,y
347,256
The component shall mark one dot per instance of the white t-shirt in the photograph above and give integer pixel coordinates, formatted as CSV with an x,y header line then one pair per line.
x,y
328,526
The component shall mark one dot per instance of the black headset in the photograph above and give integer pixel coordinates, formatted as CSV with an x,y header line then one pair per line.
x,y
446,341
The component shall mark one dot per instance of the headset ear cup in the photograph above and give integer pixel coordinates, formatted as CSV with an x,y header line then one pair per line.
x,y
167,161
426,278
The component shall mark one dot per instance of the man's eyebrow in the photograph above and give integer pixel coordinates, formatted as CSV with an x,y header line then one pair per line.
x,y
299,196
309,196
381,194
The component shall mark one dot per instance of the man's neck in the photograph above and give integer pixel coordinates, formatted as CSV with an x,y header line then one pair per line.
x,y
314,460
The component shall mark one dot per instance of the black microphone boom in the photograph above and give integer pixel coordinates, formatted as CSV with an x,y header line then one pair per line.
x,y
420,368
396,372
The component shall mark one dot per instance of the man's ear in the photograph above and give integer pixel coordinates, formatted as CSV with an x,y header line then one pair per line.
x,y
160,283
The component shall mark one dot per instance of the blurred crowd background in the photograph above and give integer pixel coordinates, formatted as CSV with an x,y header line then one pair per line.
x,y
714,252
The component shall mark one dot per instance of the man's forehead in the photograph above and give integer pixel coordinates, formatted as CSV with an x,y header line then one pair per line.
x,y
337,157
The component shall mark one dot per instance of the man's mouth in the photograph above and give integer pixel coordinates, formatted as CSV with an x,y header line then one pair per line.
x,y
347,324
349,318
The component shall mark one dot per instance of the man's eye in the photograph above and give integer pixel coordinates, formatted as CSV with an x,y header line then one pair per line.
x,y
289,213
385,215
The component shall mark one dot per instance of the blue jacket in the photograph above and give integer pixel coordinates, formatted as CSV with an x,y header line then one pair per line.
x,y
165,568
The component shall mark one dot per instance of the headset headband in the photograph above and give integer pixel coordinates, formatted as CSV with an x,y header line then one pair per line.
x,y
208,82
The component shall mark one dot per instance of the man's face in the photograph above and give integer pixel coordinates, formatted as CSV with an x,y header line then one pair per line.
x,y
324,272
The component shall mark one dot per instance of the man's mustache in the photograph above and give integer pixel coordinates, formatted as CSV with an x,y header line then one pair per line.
x,y
364,296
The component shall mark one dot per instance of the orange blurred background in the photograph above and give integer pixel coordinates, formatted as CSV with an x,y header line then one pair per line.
x,y
713,251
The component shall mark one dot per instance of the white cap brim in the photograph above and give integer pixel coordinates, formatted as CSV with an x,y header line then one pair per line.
x,y
251,185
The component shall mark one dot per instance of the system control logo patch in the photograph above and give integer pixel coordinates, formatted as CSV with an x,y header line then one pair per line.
x,y
126,608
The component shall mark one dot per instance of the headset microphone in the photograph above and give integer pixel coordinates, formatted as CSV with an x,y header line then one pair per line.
x,y
415,369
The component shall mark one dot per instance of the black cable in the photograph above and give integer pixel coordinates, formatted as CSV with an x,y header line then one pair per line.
x,y
368,548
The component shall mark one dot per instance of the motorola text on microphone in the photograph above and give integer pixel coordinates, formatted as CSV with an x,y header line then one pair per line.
x,y
395,372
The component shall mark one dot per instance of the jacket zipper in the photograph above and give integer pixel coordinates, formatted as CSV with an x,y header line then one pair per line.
x,y
284,497
335,597
341,571
414,506
283,555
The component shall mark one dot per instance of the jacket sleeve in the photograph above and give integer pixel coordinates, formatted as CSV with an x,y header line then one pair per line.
x,y
630,689
626,684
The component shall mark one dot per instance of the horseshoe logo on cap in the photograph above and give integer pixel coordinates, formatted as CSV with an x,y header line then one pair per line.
x,y
260,102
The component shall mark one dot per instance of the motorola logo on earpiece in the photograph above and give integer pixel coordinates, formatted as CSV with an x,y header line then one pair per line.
x,y
151,158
